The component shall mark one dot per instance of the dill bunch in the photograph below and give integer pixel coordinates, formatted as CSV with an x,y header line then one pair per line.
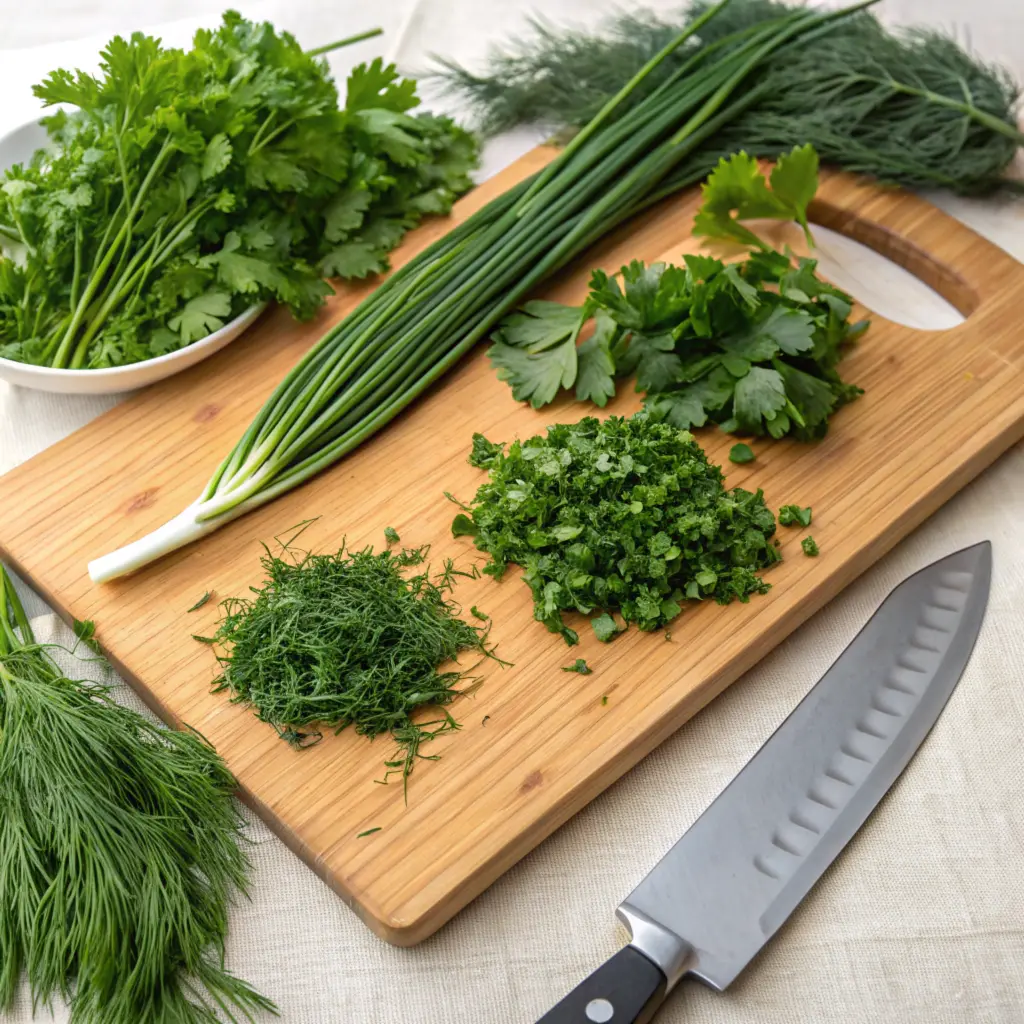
x,y
909,107
347,639
119,851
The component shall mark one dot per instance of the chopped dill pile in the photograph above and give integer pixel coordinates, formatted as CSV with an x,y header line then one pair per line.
x,y
623,515
348,639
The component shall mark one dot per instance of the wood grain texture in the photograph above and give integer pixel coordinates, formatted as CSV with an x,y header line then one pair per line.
x,y
536,743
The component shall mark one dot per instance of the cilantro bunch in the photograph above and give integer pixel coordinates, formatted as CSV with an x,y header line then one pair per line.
x,y
183,187
624,515
752,346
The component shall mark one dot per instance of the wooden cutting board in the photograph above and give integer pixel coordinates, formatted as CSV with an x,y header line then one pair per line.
x,y
536,743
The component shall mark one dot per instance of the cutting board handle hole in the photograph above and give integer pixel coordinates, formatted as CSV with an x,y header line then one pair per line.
x,y
888,273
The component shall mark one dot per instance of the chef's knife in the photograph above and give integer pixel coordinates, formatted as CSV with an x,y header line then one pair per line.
x,y
726,887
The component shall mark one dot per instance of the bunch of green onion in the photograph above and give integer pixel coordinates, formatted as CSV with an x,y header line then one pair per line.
x,y
425,317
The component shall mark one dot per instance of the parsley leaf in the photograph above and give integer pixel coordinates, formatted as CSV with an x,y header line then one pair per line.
x,y
540,325
595,367
741,453
535,377
737,186
760,395
810,547
201,316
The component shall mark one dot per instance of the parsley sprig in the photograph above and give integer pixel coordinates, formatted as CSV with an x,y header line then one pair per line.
x,y
753,346
624,515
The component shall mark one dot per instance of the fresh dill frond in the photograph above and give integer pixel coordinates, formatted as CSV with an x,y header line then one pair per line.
x,y
119,850
908,106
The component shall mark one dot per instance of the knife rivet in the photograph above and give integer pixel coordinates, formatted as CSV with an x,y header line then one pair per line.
x,y
599,1011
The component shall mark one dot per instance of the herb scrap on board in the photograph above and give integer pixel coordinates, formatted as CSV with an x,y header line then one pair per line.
x,y
794,515
579,666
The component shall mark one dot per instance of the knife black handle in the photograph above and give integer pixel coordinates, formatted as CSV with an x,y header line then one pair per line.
x,y
628,989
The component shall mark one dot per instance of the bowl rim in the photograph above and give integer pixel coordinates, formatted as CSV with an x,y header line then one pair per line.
x,y
246,317
243,320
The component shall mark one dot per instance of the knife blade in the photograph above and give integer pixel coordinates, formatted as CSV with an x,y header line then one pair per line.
x,y
729,883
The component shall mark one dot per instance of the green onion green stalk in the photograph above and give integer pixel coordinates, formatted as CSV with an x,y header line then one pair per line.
x,y
431,312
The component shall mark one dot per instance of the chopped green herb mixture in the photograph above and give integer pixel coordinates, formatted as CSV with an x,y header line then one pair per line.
x,y
741,454
810,547
348,639
794,515
580,666
752,346
623,515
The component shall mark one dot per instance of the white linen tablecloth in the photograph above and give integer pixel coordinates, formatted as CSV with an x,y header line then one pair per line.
x,y
921,920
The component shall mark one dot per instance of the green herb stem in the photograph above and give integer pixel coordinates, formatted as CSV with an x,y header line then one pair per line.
x,y
358,38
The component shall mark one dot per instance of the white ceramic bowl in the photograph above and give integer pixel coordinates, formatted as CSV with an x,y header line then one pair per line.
x,y
17,147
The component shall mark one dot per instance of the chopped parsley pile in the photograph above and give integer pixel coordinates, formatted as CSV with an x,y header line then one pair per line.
x,y
752,346
185,186
623,516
